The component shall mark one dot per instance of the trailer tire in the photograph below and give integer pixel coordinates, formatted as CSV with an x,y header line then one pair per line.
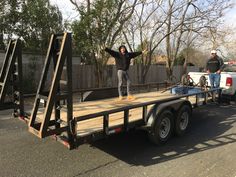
x,y
182,120
162,128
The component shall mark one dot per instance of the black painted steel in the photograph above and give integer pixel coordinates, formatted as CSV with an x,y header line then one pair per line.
x,y
11,79
60,52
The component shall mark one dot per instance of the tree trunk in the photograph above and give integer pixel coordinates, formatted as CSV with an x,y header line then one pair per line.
x,y
185,67
2,46
169,71
99,76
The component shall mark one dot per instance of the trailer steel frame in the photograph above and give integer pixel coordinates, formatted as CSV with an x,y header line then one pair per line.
x,y
126,124
60,51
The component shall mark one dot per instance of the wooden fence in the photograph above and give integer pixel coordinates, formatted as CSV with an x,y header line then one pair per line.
x,y
84,76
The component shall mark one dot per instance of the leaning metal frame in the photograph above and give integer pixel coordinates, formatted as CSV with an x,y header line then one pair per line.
x,y
11,79
60,52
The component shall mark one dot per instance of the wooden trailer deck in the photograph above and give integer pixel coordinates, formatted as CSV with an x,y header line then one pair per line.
x,y
89,126
96,124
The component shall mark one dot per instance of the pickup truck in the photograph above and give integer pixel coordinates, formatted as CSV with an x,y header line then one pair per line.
x,y
227,81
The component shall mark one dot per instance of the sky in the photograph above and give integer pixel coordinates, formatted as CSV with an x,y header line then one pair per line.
x,y
69,13
231,15
67,8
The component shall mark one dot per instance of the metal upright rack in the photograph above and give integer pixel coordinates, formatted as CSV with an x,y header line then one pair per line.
x,y
11,95
60,52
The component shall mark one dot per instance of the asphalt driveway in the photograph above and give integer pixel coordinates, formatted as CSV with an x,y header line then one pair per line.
x,y
208,149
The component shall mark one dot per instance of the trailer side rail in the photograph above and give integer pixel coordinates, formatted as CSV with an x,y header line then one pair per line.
x,y
108,130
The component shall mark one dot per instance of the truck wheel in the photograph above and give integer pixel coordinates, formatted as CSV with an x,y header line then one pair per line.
x,y
162,127
183,119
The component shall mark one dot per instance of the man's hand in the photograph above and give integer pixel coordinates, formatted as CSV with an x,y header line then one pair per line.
x,y
218,72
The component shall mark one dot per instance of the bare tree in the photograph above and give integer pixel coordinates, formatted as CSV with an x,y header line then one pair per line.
x,y
194,18
145,28
103,22
152,24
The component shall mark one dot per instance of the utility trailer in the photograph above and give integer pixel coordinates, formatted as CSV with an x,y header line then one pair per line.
x,y
160,114
75,123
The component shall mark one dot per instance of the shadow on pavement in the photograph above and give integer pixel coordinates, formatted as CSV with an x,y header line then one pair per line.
x,y
208,130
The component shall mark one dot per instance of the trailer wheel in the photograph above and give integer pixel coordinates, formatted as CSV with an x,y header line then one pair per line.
x,y
183,119
162,127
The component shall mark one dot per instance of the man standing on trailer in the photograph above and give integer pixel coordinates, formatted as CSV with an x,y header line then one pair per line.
x,y
214,67
122,60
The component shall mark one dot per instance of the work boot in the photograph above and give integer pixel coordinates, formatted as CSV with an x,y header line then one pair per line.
x,y
120,98
130,97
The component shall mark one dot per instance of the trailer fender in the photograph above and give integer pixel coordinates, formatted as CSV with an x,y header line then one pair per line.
x,y
162,121
173,106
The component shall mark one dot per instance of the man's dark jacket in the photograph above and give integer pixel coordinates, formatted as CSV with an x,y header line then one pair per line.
x,y
122,60
214,64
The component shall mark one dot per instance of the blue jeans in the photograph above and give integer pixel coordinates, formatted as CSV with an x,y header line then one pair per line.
x,y
214,80
123,74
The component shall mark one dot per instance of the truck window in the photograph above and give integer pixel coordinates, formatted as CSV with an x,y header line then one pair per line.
x,y
230,68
